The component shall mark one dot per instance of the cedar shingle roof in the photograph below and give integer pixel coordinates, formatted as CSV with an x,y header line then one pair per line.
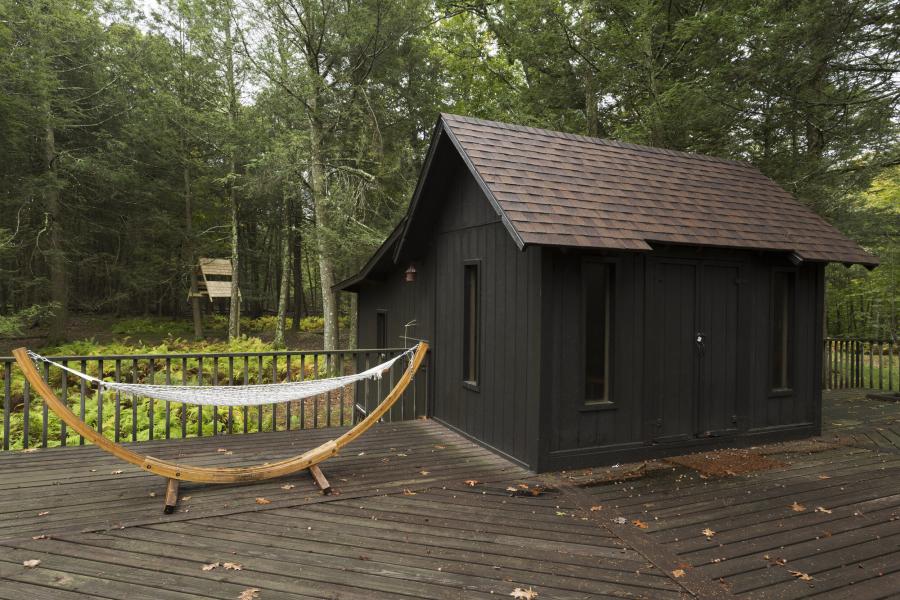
x,y
569,190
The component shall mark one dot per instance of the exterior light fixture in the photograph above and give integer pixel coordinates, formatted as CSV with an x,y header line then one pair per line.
x,y
411,273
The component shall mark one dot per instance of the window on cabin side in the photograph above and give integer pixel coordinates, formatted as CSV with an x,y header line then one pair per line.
x,y
470,324
782,325
381,329
597,283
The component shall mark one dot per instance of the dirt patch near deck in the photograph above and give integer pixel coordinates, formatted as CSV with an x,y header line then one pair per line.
x,y
725,463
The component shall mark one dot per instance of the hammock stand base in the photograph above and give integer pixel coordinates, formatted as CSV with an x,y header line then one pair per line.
x,y
172,486
177,472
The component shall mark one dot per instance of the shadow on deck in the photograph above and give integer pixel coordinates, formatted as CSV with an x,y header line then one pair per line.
x,y
408,524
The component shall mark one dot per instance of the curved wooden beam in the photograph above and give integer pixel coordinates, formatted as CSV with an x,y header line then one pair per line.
x,y
216,474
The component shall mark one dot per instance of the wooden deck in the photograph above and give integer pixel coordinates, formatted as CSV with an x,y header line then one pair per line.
x,y
406,523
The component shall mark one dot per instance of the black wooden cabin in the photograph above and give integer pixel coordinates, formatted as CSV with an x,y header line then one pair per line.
x,y
590,301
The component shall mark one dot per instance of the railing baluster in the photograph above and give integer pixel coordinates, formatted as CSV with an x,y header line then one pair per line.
x,y
168,403
134,401
246,409
82,392
100,397
199,406
151,366
26,415
302,400
259,379
7,402
316,397
274,404
118,416
230,382
215,409
64,396
184,407
287,377
45,413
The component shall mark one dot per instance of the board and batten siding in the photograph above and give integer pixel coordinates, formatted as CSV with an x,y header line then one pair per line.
x,y
665,394
502,411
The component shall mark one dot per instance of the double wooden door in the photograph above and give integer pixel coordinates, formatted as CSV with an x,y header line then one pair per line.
x,y
692,352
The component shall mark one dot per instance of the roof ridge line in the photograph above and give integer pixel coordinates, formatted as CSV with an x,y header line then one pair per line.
x,y
597,140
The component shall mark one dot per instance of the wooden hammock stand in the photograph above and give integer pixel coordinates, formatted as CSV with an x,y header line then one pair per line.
x,y
175,472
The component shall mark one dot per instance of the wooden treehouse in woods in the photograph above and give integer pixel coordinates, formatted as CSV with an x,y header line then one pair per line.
x,y
213,279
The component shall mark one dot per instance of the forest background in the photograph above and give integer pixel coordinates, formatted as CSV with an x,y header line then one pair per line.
x,y
287,135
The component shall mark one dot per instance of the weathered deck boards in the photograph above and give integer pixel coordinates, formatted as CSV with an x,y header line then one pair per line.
x,y
406,524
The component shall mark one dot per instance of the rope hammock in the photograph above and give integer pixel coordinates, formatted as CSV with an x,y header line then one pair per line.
x,y
233,395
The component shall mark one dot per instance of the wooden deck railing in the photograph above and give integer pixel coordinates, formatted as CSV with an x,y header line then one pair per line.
x,y
861,363
27,423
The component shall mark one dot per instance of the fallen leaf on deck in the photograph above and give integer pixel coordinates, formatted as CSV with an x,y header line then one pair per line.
x,y
822,509
620,520
528,594
797,507
471,482
263,501
824,477
28,450
560,513
249,594
439,447
678,573
512,489
222,450
424,472
210,566
39,537
232,566
186,498
596,508
801,575
288,486
116,472
640,524
708,533
31,563
408,492
44,513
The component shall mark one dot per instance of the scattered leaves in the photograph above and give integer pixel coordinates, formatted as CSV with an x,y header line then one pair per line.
x,y
288,486
823,476
408,492
822,509
708,533
797,507
801,575
521,594
186,498
116,472
222,450
678,573
620,520
44,513
40,537
262,500
596,507
249,594
423,473
471,482
210,566
639,524
31,563
232,566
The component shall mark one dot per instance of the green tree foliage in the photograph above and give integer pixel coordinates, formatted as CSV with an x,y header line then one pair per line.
x,y
288,134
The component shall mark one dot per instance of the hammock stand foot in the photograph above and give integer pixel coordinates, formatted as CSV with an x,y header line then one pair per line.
x,y
171,496
319,477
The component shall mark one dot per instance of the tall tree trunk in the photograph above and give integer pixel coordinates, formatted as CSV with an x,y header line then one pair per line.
x,y
285,286
59,285
189,254
298,280
326,262
234,308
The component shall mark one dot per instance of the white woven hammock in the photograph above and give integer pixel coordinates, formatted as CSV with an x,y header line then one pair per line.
x,y
234,395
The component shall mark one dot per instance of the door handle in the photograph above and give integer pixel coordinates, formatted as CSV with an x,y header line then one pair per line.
x,y
700,340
